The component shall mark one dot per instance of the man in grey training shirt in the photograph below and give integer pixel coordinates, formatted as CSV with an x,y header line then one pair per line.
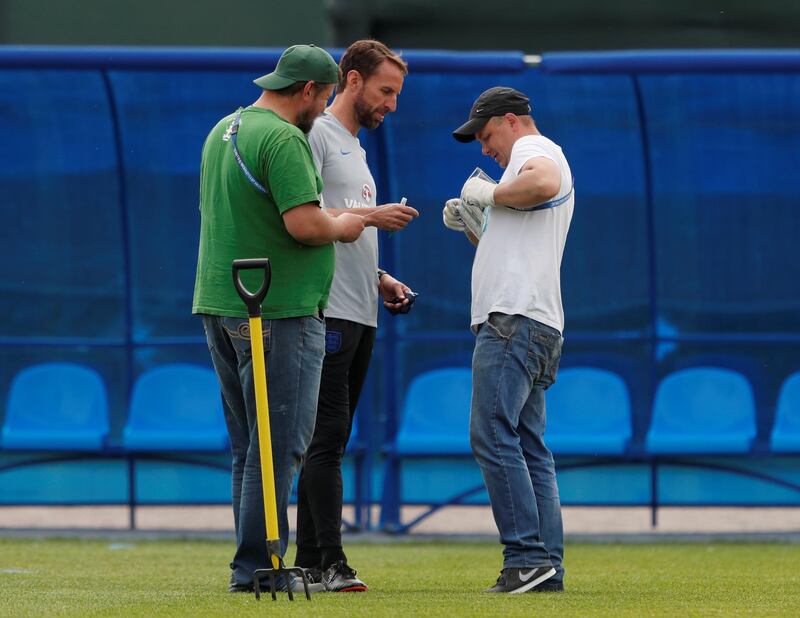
x,y
371,79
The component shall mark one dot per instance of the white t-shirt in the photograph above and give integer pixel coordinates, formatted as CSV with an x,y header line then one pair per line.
x,y
517,268
348,183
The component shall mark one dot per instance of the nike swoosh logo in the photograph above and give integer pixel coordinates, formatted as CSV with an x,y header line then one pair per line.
x,y
527,577
345,153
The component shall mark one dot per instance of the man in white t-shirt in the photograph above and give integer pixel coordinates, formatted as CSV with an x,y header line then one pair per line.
x,y
518,319
371,79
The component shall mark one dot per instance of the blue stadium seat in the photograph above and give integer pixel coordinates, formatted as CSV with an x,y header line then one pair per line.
x,y
176,407
588,413
785,436
435,418
705,410
56,407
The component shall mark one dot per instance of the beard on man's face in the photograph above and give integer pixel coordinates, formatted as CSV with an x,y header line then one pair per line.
x,y
366,114
305,121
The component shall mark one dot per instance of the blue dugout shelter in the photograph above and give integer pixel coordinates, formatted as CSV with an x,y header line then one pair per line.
x,y
681,256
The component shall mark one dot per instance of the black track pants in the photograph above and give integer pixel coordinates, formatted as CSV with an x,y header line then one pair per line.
x,y
348,348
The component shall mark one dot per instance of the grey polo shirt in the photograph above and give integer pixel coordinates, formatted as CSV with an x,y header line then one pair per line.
x,y
348,183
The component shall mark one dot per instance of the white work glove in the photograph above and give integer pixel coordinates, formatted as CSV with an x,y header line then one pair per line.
x,y
478,192
449,216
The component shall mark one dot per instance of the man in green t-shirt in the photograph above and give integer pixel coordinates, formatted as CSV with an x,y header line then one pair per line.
x,y
265,203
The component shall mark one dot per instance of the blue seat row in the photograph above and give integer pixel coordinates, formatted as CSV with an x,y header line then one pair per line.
x,y
62,406
177,407
701,410
174,408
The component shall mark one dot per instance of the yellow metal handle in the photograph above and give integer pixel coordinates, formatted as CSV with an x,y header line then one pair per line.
x,y
264,435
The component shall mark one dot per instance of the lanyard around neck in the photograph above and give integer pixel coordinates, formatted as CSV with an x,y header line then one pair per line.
x,y
230,135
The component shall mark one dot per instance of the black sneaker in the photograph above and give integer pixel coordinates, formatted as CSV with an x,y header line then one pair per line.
x,y
514,581
341,578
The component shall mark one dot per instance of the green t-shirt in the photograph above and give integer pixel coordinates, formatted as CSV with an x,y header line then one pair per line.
x,y
238,221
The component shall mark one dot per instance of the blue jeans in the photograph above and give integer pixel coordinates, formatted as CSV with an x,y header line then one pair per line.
x,y
293,350
515,361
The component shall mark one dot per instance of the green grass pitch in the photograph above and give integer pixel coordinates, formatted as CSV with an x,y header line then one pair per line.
x,y
436,578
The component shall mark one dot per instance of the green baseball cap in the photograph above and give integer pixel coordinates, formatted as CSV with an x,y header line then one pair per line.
x,y
301,63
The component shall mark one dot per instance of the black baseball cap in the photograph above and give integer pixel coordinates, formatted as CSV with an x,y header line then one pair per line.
x,y
493,102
